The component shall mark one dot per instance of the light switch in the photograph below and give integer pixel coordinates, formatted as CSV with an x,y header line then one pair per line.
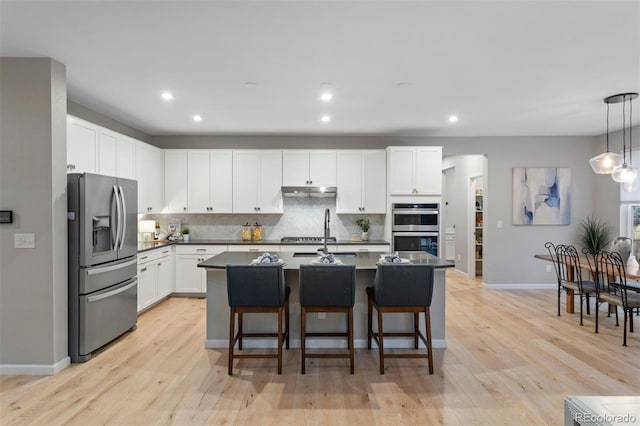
x,y
499,224
24,241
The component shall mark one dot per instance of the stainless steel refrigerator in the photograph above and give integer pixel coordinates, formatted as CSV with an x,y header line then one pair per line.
x,y
102,231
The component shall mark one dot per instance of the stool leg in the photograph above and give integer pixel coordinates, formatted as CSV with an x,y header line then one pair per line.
x,y
427,320
303,338
232,330
369,321
351,348
380,342
280,340
416,327
286,322
240,330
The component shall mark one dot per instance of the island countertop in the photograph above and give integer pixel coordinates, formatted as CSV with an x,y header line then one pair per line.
x,y
362,260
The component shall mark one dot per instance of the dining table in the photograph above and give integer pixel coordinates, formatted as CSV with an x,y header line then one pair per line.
x,y
632,273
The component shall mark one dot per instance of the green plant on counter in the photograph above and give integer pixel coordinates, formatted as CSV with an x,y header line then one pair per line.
x,y
595,234
185,231
363,224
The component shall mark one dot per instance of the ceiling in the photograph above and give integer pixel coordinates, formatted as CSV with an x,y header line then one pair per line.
x,y
396,67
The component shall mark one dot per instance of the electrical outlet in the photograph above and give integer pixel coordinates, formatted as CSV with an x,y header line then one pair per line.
x,y
322,315
24,241
459,256
548,268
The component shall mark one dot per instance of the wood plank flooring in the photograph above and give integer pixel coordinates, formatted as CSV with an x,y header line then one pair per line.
x,y
510,360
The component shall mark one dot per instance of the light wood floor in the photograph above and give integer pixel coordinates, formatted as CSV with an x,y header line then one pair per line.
x,y
510,360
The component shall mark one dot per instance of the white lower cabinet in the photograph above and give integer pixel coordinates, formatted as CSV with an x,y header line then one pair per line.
x,y
364,247
258,248
155,276
189,278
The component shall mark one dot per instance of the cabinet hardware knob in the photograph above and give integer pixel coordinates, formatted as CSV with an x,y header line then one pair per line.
x,y
143,269
159,264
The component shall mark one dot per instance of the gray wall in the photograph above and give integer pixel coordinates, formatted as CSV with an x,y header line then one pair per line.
x,y
33,150
92,116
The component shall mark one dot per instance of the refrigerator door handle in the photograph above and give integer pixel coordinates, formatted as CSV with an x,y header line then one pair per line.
x,y
112,293
117,224
104,269
124,218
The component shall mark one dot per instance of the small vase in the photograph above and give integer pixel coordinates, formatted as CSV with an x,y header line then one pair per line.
x,y
364,236
185,238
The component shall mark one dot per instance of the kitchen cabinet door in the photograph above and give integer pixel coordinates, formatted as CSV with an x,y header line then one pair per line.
x,y
175,181
221,184
401,170
107,148
151,178
415,170
147,279
270,182
295,168
82,146
190,278
428,180
125,157
165,276
349,171
374,181
257,181
304,168
198,180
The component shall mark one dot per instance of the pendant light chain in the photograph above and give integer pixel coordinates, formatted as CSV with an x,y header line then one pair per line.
x,y
630,127
607,128
624,130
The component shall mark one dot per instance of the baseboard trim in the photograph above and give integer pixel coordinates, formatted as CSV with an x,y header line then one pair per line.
x,y
321,344
520,286
34,369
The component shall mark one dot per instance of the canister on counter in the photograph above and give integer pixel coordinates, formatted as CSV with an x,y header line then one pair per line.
x,y
246,232
257,232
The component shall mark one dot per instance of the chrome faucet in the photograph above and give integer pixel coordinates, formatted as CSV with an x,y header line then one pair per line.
x,y
326,229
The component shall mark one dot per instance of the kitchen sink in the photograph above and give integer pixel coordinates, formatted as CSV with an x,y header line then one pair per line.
x,y
314,254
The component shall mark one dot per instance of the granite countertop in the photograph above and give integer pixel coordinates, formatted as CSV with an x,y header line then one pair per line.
x,y
362,260
150,245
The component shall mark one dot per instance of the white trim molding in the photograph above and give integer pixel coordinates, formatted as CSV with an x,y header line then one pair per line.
x,y
34,369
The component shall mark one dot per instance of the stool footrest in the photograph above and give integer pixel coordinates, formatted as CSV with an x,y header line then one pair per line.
x,y
331,355
236,355
327,334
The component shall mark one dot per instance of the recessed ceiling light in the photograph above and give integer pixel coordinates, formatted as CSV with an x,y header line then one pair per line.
x,y
197,118
326,96
167,96
453,118
325,118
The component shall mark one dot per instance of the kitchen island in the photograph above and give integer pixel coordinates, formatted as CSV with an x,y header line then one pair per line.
x,y
218,308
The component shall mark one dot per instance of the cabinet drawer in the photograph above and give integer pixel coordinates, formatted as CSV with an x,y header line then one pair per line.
x,y
201,250
163,252
147,256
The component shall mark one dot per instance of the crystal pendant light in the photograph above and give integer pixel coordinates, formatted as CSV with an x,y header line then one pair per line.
x,y
604,163
624,173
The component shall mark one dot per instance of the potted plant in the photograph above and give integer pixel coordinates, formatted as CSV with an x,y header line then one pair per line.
x,y
364,226
595,234
185,234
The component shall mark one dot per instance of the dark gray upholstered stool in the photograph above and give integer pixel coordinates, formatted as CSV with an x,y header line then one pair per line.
x,y
401,288
257,289
327,288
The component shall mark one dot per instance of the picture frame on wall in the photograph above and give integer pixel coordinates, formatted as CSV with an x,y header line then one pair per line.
x,y
541,196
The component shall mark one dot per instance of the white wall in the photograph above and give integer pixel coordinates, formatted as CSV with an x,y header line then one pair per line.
x,y
33,282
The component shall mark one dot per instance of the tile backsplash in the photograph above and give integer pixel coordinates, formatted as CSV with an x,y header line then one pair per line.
x,y
302,217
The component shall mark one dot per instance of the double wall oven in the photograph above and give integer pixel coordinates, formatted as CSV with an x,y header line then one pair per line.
x,y
416,227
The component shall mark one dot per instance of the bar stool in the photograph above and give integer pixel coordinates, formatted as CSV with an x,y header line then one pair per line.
x,y
327,288
401,288
257,289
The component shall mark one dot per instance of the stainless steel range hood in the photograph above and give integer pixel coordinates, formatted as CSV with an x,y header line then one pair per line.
x,y
309,191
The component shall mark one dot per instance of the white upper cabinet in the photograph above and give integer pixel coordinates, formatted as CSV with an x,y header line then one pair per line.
x,y
175,181
415,170
150,175
361,181
305,168
82,146
210,181
107,152
257,181
125,157
221,181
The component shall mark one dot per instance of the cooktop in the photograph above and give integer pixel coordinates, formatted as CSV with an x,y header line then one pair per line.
x,y
307,240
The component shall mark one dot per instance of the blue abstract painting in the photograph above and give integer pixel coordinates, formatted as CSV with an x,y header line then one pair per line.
x,y
541,196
